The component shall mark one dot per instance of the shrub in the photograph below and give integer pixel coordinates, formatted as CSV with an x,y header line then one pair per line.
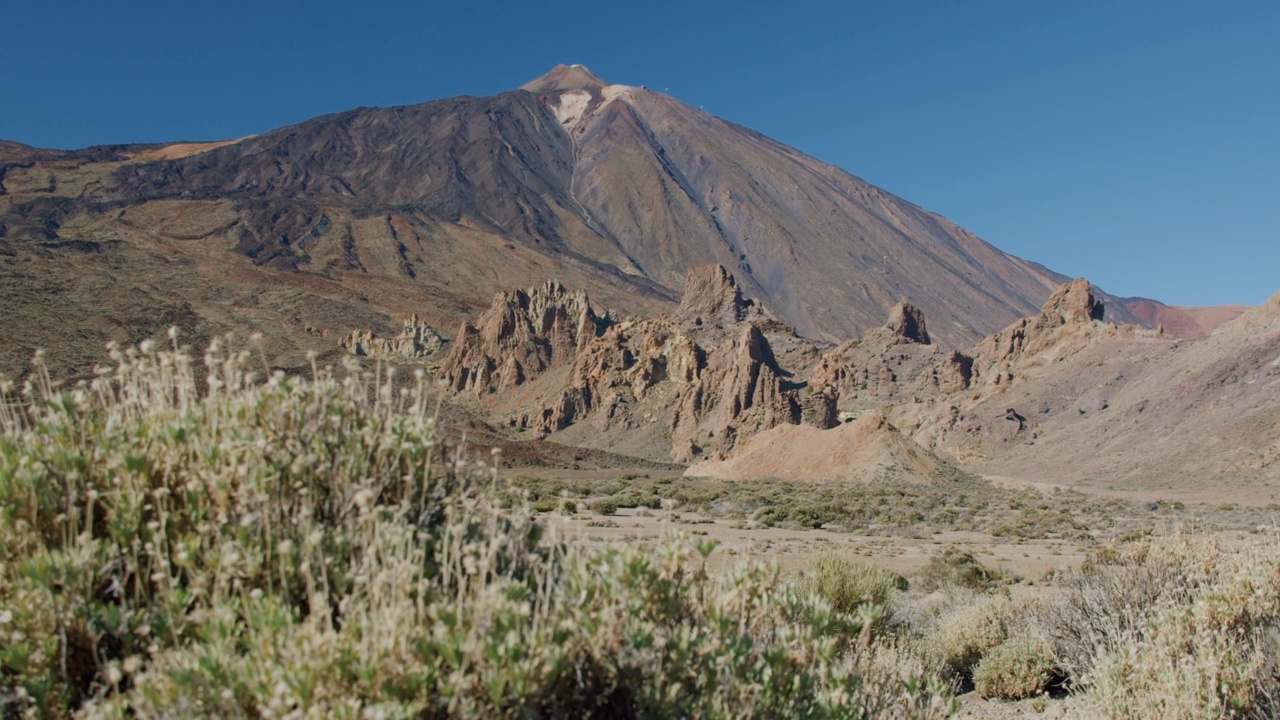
x,y
956,567
1114,594
296,547
1178,628
965,632
846,584
604,506
1014,670
546,504
633,498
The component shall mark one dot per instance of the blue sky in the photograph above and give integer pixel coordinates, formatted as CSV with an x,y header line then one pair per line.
x,y
1134,143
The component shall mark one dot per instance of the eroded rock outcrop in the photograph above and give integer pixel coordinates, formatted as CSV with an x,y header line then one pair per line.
x,y
1072,312
417,340
711,294
818,409
739,392
906,321
521,335
712,367
895,362
613,372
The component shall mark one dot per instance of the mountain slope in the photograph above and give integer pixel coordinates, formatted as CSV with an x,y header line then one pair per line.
x,y
356,219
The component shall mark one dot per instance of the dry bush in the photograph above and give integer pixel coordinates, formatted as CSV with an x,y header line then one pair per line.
x,y
847,584
965,626
1017,669
954,566
303,548
1175,627
1113,593
1209,652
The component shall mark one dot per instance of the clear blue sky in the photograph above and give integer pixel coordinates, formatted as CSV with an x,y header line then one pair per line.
x,y
1134,143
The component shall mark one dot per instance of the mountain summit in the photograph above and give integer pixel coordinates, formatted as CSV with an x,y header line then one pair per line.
x,y
565,78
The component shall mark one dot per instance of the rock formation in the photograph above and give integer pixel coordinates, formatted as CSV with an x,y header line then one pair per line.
x,y
895,362
906,321
713,365
712,294
818,409
416,341
1071,312
614,371
519,337
739,392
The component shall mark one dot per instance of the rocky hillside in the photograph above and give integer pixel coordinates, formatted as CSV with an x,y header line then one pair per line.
x,y
1060,397
359,219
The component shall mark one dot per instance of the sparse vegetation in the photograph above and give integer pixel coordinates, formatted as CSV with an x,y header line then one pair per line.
x,y
849,585
887,507
1016,669
241,545
289,547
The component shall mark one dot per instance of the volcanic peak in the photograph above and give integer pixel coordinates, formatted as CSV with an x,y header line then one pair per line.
x,y
565,78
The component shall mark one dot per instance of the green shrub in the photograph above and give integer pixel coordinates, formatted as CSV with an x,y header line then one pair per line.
x,y
1014,670
956,567
604,506
295,548
846,584
633,498
546,504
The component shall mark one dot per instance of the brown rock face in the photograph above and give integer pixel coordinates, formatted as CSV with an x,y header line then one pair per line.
x,y
712,393
416,341
1072,303
739,392
613,372
519,337
712,294
907,322
1072,311
819,410
892,363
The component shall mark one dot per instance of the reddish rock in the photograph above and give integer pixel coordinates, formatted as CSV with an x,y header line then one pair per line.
x,y
818,409
417,340
906,321
890,364
738,392
712,294
1071,312
518,338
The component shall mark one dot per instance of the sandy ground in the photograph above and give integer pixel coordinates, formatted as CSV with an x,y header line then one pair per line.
x,y
793,548
181,150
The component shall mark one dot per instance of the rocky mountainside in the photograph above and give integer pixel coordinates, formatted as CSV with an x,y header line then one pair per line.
x,y
1060,397
359,219
711,286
